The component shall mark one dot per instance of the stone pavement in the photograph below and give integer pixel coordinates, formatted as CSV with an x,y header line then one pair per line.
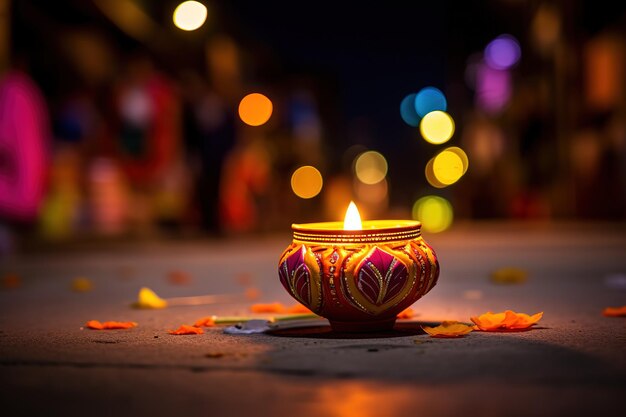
x,y
573,363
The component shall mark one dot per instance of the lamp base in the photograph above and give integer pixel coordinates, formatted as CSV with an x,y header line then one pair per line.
x,y
369,326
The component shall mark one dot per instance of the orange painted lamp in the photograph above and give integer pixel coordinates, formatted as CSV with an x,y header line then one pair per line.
x,y
359,275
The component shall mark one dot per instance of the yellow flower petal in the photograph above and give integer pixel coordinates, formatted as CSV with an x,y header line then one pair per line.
x,y
448,329
148,299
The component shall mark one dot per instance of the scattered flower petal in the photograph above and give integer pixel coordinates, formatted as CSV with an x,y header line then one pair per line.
x,y
407,313
449,329
149,299
509,275
298,309
614,311
110,325
186,329
208,321
507,320
268,308
179,278
82,285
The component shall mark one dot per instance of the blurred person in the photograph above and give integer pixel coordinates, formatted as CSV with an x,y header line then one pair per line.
x,y
148,141
24,141
209,132
245,178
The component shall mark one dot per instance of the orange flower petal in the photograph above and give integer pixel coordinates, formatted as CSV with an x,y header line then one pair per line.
x,y
298,309
614,311
524,320
449,329
407,313
186,329
110,325
208,321
94,324
268,308
505,320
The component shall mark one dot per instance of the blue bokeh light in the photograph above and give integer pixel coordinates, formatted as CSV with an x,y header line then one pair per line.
x,y
430,99
408,112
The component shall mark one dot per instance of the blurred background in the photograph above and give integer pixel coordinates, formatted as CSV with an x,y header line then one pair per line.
x,y
143,119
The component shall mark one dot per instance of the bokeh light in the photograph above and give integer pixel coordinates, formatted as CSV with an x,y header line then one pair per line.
x,y
190,15
434,212
255,109
306,182
370,167
461,154
437,127
493,89
430,175
408,112
447,167
503,52
430,99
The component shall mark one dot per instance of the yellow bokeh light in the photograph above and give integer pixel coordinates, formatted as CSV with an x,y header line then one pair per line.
x,y
437,127
306,182
370,167
447,167
430,175
255,109
461,154
190,15
435,213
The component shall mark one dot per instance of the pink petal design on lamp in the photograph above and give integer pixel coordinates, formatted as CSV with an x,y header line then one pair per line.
x,y
381,277
295,276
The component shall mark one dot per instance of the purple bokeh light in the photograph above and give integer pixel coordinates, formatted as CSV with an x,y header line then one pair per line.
x,y
503,52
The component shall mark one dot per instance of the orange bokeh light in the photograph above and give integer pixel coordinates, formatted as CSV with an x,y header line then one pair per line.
x,y
255,109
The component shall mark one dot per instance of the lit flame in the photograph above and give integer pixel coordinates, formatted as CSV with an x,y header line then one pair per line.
x,y
352,221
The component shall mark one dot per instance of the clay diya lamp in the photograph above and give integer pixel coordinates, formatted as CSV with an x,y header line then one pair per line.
x,y
358,275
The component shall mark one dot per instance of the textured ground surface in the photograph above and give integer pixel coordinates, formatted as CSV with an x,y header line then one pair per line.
x,y
573,363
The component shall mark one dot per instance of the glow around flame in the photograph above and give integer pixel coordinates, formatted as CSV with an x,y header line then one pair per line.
x,y
352,221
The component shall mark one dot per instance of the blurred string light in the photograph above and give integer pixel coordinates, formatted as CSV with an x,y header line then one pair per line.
x,y
408,112
434,212
503,52
306,182
437,127
190,15
430,99
255,109
370,167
